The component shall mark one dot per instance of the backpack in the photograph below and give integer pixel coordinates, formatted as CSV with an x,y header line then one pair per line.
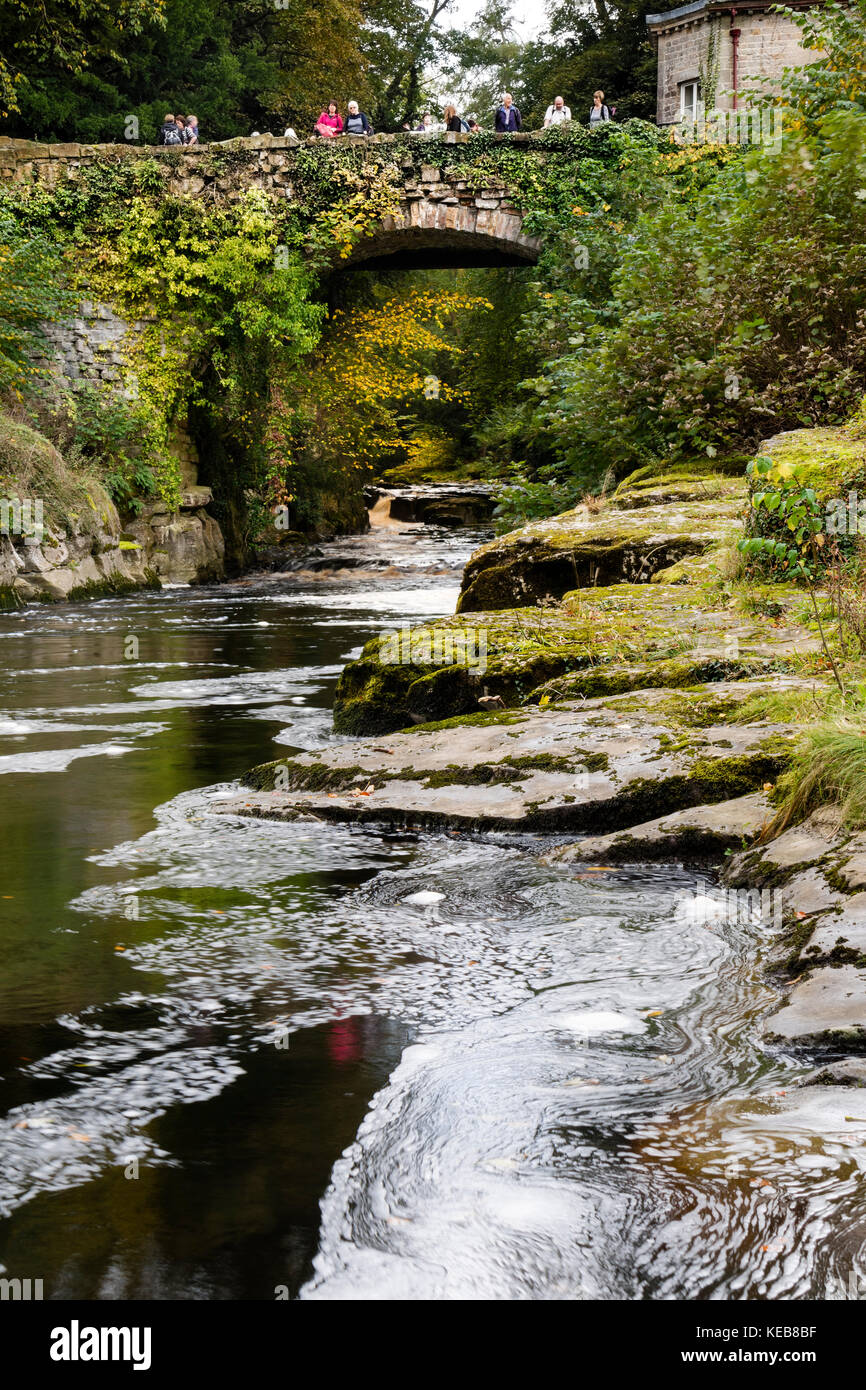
x,y
171,136
464,126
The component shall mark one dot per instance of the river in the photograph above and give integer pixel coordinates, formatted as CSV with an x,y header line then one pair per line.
x,y
241,1060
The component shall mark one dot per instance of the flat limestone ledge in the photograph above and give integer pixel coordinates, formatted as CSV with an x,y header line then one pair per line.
x,y
697,831
850,1071
827,1009
594,766
597,642
816,867
817,873
627,540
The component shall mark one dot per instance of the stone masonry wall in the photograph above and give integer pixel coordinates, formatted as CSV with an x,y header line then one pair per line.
x,y
91,349
768,44
435,204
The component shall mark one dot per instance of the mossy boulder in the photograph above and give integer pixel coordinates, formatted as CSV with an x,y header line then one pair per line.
x,y
831,461
630,537
598,642
442,669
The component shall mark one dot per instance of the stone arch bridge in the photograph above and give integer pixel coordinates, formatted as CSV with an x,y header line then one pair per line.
x,y
443,219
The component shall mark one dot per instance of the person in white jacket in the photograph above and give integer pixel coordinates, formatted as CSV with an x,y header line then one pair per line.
x,y
556,113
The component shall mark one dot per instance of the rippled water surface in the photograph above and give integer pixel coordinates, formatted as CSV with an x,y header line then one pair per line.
x,y
239,1057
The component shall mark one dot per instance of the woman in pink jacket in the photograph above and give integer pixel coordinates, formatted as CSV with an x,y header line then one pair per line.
x,y
330,122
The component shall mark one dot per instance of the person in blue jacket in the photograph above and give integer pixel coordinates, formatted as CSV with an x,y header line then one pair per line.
x,y
507,116
357,121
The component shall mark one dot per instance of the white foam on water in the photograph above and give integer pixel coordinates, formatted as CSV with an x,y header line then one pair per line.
x,y
593,1021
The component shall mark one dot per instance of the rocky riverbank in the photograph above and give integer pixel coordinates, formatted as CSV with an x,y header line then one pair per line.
x,y
614,682
62,537
94,555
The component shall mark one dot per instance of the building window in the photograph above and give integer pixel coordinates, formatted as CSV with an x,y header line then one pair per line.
x,y
689,97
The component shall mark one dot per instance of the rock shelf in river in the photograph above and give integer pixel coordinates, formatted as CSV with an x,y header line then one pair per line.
x,y
606,763
638,697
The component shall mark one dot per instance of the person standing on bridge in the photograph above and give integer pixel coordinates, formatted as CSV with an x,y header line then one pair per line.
x,y
598,112
169,133
357,121
556,113
426,126
452,120
508,117
330,122
191,133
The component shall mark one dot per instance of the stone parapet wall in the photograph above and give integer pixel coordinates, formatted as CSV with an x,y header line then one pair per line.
x,y
434,201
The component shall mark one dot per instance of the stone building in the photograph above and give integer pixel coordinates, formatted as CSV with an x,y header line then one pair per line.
x,y
710,52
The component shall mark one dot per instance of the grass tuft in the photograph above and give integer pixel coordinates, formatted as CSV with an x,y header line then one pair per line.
x,y
829,770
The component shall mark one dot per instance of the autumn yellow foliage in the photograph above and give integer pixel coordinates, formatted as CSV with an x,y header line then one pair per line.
x,y
376,366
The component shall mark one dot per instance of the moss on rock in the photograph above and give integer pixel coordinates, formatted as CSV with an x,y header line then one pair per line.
x,y
602,641
630,537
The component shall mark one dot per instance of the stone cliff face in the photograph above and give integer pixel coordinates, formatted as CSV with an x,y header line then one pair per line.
x,y
93,555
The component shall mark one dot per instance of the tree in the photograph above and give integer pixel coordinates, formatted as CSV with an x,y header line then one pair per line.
x,y
592,44
401,40
239,67
482,64
68,38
